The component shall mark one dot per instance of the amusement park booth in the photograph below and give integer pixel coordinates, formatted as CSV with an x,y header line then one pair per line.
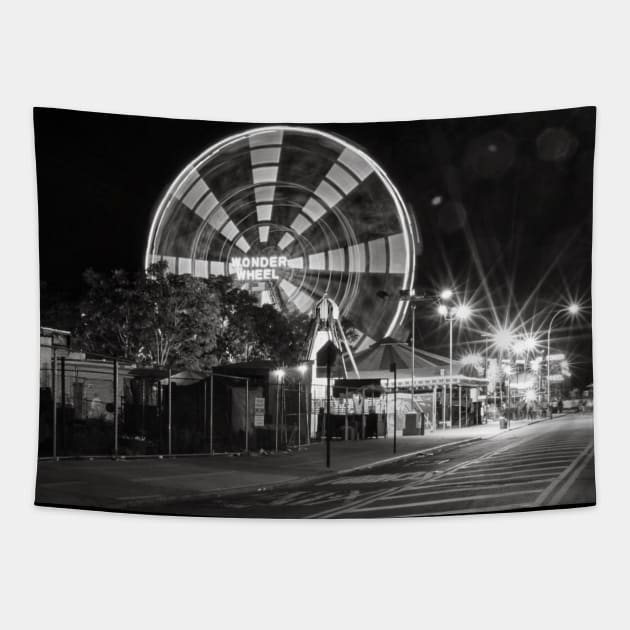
x,y
428,396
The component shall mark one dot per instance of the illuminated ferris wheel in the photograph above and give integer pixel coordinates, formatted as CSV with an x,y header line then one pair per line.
x,y
292,214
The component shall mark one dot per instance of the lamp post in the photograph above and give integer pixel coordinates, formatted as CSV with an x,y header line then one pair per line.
x,y
572,309
280,375
450,314
413,299
301,370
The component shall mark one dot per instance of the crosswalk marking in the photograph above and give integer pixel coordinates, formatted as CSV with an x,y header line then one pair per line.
x,y
458,499
518,475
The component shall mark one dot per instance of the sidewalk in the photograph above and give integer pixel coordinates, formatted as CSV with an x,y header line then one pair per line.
x,y
130,483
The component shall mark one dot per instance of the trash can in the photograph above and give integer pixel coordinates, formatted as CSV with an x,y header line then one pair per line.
x,y
503,423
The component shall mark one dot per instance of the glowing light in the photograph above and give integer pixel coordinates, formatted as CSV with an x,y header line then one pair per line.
x,y
447,294
519,347
574,309
302,368
463,311
442,310
279,373
503,338
530,342
507,370
472,358
530,395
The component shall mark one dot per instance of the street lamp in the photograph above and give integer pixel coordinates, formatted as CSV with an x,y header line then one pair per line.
x,y
413,299
572,309
450,314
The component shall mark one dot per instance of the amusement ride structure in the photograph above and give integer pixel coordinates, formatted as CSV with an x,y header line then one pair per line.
x,y
299,217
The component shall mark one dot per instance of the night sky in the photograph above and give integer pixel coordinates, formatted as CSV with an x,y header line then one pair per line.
x,y
505,200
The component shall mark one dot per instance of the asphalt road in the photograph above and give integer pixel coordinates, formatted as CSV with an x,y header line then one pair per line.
x,y
539,466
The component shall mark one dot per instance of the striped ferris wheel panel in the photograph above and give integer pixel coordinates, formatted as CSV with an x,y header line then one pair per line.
x,y
292,214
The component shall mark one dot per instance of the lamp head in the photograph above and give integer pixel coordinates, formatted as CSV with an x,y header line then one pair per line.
x,y
463,311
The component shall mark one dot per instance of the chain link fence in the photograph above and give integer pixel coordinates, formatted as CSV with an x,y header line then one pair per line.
x,y
92,408
103,407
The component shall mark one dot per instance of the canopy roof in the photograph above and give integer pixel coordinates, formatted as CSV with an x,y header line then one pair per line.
x,y
375,361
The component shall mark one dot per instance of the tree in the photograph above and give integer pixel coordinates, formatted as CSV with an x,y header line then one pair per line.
x,y
179,321
249,331
152,318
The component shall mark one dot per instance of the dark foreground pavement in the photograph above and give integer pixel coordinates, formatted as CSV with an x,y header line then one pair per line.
x,y
545,465
481,469
133,483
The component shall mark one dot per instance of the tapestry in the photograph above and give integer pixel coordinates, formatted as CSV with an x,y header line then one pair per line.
x,y
340,320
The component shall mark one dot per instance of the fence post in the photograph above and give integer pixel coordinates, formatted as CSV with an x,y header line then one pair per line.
x,y
54,409
63,401
308,410
205,407
170,418
115,407
299,413
345,431
211,413
247,415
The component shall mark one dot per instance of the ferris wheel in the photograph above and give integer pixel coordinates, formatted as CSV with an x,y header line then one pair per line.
x,y
293,214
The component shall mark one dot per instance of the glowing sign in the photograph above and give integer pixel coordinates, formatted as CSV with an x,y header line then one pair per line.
x,y
258,267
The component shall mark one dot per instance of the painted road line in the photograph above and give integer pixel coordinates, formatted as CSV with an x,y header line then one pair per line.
x,y
403,506
489,467
555,487
391,491
561,492
432,491
505,473
565,453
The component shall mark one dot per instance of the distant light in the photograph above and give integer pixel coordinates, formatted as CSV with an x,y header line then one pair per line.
x,y
503,338
447,294
463,311
442,310
279,373
472,358
437,200
574,309
492,148
507,370
519,347
530,342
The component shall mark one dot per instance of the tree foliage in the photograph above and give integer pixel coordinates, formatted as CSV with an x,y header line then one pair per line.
x,y
162,319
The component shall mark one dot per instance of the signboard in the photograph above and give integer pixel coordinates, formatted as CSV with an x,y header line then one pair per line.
x,y
474,394
249,268
556,357
259,412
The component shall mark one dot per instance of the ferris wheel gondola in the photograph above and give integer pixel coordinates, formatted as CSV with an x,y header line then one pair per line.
x,y
293,214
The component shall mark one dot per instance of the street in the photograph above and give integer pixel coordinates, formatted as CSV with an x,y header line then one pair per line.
x,y
542,465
